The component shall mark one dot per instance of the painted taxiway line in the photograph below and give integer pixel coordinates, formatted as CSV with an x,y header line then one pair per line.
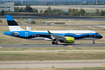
x,y
60,64
57,51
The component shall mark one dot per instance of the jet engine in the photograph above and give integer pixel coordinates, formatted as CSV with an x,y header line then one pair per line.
x,y
67,40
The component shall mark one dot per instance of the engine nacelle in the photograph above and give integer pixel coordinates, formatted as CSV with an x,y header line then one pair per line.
x,y
69,39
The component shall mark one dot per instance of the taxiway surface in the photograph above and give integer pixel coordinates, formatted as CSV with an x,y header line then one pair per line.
x,y
60,64
61,17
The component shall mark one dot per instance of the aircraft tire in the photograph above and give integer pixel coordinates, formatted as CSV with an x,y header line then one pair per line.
x,y
53,42
56,43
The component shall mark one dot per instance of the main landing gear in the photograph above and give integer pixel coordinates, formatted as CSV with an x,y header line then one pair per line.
x,y
56,43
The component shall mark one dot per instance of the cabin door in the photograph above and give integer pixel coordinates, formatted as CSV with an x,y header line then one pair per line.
x,y
26,34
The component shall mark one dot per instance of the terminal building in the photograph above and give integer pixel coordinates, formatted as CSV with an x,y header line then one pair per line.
x,y
7,6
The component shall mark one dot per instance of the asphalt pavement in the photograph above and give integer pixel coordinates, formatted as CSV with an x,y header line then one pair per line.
x,y
62,17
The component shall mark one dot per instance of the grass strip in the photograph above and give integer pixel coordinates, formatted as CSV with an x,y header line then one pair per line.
x,y
52,48
26,56
84,68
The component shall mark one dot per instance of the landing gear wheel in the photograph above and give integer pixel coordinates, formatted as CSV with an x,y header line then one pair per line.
x,y
56,43
53,42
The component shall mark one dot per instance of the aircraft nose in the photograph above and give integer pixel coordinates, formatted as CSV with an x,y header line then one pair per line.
x,y
100,36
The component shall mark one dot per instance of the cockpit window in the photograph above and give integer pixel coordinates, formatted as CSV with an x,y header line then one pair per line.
x,y
96,33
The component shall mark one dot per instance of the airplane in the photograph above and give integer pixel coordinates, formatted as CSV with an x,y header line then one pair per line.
x,y
63,36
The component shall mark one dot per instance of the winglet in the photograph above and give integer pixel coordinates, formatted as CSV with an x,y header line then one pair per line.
x,y
34,29
49,32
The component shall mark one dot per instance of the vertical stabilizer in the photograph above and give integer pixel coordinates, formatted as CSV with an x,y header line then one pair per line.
x,y
13,26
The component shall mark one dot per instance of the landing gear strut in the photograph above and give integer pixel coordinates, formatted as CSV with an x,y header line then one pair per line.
x,y
56,43
93,41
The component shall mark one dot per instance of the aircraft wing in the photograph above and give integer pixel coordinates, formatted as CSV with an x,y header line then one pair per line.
x,y
55,36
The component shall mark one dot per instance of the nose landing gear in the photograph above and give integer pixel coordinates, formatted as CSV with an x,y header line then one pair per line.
x,y
93,41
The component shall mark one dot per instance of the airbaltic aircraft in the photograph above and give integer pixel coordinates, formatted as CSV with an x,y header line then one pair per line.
x,y
63,36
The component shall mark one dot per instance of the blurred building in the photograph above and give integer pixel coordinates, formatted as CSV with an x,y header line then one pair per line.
x,y
96,2
7,6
